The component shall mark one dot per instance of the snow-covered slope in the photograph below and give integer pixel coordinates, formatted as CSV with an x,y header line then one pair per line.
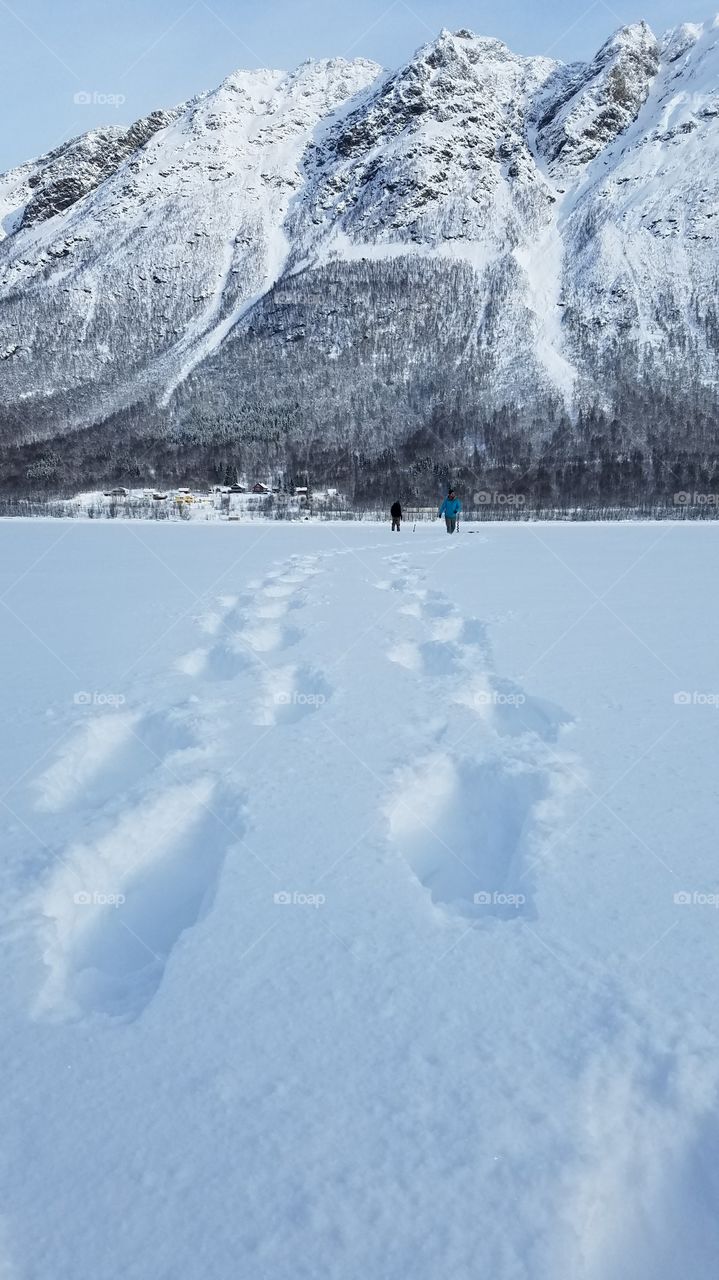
x,y
479,226
147,268
641,225
42,188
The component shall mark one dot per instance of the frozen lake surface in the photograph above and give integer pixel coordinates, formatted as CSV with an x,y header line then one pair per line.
x,y
359,902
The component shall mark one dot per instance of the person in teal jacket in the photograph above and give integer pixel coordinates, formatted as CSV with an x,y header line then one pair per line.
x,y
450,509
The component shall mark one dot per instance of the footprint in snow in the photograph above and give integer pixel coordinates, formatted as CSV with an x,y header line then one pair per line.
x,y
115,908
470,827
432,658
509,710
290,694
465,827
268,637
105,755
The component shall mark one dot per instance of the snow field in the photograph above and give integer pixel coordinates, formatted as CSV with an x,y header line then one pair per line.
x,y
341,912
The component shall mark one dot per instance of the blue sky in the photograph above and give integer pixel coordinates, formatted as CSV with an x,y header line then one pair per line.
x,y
131,56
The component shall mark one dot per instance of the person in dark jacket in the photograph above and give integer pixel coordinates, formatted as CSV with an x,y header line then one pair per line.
x,y
450,509
396,514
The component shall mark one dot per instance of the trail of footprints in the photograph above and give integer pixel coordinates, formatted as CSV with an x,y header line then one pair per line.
x,y
251,633
156,820
471,811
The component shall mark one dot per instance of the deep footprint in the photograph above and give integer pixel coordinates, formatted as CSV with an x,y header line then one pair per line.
x,y
109,957
440,657
465,829
509,710
228,658
105,755
267,636
292,693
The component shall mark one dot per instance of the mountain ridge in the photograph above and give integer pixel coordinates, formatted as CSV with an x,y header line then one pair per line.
x,y
351,251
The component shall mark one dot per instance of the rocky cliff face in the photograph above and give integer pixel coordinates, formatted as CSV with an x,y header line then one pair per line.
x,y
354,249
67,174
587,107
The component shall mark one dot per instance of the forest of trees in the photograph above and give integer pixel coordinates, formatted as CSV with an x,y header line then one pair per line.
x,y
376,378
503,465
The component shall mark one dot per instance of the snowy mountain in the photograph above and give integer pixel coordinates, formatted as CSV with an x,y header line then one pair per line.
x,y
345,256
